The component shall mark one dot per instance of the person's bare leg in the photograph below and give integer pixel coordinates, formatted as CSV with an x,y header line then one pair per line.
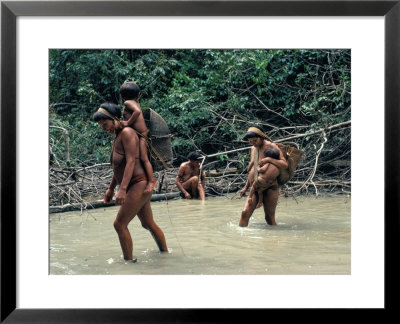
x,y
270,199
194,186
247,185
188,185
133,202
146,218
260,196
248,210
151,183
251,193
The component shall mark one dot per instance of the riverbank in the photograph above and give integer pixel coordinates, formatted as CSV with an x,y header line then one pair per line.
x,y
98,203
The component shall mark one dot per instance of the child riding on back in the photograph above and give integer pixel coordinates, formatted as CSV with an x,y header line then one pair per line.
x,y
130,93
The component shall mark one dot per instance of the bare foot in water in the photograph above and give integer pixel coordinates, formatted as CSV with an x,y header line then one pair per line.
x,y
150,186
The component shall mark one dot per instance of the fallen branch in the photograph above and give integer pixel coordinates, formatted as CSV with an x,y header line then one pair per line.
x,y
100,203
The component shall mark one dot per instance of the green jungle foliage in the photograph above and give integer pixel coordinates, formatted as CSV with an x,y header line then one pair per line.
x,y
207,97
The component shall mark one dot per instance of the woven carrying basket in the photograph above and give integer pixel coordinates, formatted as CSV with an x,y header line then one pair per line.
x,y
160,147
293,156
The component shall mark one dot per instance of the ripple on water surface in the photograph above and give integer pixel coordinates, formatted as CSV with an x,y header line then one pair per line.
x,y
312,237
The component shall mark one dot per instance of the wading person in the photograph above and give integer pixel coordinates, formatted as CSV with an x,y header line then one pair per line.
x,y
130,93
269,197
267,175
129,174
189,181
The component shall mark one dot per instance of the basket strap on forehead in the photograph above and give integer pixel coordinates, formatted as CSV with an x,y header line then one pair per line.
x,y
106,113
259,132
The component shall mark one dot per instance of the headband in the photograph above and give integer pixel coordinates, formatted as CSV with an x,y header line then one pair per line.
x,y
106,113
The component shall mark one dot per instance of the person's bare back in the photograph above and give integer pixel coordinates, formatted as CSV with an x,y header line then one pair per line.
x,y
136,120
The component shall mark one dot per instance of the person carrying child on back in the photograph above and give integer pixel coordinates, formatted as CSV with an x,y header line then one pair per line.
x,y
267,175
130,93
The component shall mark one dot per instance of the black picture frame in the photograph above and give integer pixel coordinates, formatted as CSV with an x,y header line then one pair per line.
x,y
10,10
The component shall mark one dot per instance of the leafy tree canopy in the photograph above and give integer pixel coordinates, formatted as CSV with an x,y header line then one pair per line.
x,y
207,97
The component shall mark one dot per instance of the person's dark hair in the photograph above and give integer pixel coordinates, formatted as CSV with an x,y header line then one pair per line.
x,y
272,152
194,156
129,91
252,134
112,108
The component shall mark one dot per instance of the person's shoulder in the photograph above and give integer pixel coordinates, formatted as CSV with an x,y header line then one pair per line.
x,y
276,146
128,132
182,168
269,144
183,165
131,103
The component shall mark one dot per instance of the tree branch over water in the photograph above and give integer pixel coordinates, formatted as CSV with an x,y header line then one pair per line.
x,y
80,185
208,98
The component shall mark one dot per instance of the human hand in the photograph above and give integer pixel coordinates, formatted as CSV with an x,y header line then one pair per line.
x,y
264,161
120,197
187,195
124,124
243,192
108,196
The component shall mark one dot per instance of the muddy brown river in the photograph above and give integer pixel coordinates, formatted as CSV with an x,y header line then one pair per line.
x,y
312,237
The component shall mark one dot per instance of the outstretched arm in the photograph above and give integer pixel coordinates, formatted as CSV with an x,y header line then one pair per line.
x,y
249,168
203,179
251,163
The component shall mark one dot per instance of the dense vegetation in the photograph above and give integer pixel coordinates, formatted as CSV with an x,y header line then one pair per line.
x,y
208,98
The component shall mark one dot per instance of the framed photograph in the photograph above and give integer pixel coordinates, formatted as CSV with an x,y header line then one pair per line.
x,y
368,29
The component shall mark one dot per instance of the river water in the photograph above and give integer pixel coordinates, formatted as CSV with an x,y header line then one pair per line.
x,y
312,237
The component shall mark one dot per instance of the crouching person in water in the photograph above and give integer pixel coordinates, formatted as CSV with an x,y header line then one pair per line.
x,y
268,197
129,174
188,180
